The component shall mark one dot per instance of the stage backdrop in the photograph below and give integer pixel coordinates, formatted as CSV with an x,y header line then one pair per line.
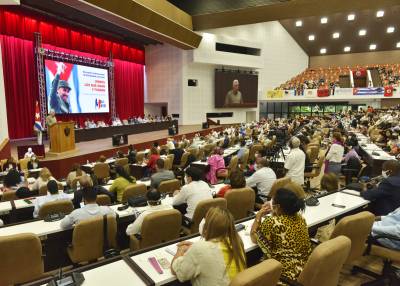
x,y
20,77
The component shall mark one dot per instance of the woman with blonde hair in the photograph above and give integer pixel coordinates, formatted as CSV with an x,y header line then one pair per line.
x,y
215,260
44,177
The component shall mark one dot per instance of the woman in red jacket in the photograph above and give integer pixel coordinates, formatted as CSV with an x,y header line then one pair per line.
x,y
151,163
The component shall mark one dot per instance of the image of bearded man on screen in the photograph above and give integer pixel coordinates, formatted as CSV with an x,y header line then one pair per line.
x,y
59,93
234,96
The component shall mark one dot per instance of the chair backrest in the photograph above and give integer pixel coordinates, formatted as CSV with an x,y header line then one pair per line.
x,y
103,200
21,258
133,191
254,149
266,273
101,170
168,163
23,164
121,162
62,206
233,164
245,158
325,262
172,157
9,196
296,188
240,202
43,190
200,154
169,186
184,159
193,151
140,157
279,183
87,239
357,227
159,227
314,153
202,209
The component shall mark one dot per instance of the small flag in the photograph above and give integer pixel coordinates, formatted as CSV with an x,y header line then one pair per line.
x,y
38,125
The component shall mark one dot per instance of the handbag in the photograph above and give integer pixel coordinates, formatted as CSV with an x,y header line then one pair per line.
x,y
107,251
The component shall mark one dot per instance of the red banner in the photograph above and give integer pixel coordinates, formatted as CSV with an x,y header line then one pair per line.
x,y
323,92
360,73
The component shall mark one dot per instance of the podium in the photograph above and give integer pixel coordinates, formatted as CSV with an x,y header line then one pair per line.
x,y
62,137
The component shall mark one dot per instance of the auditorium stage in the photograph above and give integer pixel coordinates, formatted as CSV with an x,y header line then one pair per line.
x,y
91,150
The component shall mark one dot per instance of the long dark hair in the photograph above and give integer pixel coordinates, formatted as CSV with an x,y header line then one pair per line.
x,y
122,173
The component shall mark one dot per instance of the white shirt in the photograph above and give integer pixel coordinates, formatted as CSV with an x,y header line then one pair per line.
x,y
40,201
40,182
263,180
136,226
170,145
295,163
86,212
335,153
29,154
192,194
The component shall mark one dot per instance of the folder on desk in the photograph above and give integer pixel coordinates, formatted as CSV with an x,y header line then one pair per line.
x,y
171,249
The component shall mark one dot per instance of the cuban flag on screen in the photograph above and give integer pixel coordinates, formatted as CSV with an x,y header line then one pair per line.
x,y
38,125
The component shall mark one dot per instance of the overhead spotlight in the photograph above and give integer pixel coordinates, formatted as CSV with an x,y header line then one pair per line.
x,y
372,47
322,51
390,30
380,14
324,20
347,49
311,37
336,35
362,32
299,23
351,17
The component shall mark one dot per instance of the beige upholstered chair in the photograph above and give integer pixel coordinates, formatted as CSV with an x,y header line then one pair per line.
x,y
201,211
87,239
168,163
43,190
356,227
244,160
233,164
21,258
325,262
103,200
62,206
240,202
140,157
296,188
184,159
279,183
158,227
121,162
254,149
169,186
9,196
23,164
265,273
133,191
101,171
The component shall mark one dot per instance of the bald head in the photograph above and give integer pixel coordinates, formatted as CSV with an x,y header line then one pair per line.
x,y
295,142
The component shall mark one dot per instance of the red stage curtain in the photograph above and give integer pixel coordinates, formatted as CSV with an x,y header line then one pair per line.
x,y
21,24
21,87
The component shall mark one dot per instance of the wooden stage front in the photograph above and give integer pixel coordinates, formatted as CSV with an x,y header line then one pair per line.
x,y
91,150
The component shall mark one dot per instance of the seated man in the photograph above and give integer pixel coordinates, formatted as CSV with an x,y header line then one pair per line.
x,y
29,153
388,225
53,195
90,210
261,181
154,205
385,197
86,182
193,192
161,174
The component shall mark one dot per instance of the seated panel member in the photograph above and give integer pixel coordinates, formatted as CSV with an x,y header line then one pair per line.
x,y
154,205
90,210
161,174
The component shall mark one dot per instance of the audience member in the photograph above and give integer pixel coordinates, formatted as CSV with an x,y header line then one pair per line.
x,y
131,154
151,162
12,181
215,162
161,174
44,177
154,205
53,195
295,162
237,181
217,259
194,191
242,150
333,159
121,182
33,163
90,210
329,182
76,172
389,226
283,235
29,153
261,181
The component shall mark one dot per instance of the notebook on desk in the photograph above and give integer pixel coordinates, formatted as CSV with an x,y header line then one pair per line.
x,y
172,249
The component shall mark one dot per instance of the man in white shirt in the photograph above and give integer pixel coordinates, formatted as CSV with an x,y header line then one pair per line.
x,y
154,205
261,181
90,210
29,153
54,195
295,162
193,192
170,143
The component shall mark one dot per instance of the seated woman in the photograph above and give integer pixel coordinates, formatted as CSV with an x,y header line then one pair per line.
x,y
329,182
237,181
12,181
120,183
44,177
151,162
33,163
215,260
10,164
76,172
283,235
215,161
